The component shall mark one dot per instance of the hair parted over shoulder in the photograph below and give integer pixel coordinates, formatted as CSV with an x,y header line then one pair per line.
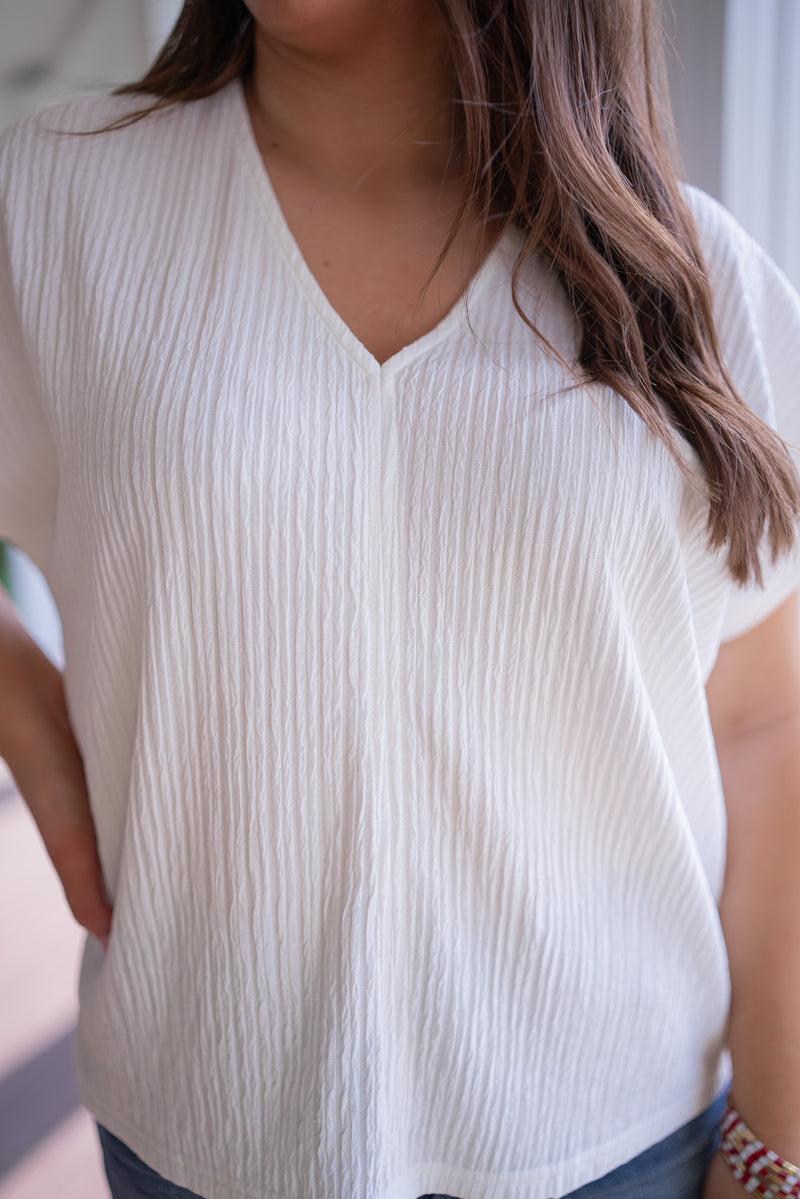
x,y
569,135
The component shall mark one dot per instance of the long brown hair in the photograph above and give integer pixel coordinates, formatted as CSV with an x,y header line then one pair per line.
x,y
569,135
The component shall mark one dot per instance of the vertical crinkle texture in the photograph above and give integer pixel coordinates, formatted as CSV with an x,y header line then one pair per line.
x,y
388,681
757,312
28,466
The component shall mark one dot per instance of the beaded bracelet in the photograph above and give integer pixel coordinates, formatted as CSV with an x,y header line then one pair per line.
x,y
760,1170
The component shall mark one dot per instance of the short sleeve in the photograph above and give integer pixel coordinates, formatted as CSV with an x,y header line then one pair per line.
x,y
27,456
757,314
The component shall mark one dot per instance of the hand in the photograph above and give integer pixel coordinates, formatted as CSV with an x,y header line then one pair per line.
x,y
720,1183
42,754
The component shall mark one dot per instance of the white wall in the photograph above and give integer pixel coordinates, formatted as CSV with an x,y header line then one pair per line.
x,y
54,49
695,64
159,16
735,87
760,134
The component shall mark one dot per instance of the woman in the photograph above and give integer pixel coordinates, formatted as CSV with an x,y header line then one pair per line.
x,y
431,651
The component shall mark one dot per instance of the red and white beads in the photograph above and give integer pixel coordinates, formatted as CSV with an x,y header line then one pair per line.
x,y
760,1170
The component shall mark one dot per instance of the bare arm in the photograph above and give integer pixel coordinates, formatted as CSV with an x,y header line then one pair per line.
x,y
39,746
754,703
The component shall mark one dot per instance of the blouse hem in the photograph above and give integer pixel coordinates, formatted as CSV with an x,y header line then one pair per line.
x,y
555,1179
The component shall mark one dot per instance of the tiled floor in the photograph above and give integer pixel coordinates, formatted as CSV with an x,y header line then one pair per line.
x,y
48,1142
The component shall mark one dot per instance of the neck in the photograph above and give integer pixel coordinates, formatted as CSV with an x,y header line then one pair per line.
x,y
370,108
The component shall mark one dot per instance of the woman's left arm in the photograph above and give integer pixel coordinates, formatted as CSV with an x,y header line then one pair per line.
x,y
754,704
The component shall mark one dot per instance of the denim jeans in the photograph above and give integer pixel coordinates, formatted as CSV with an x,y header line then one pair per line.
x,y
672,1169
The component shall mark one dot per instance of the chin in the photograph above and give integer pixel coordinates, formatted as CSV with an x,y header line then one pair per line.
x,y
333,26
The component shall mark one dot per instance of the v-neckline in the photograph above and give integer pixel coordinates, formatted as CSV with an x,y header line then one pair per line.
x,y
493,269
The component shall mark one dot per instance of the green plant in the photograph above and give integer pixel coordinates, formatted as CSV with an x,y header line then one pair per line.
x,y
5,567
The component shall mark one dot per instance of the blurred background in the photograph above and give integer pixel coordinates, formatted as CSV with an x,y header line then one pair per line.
x,y
736,98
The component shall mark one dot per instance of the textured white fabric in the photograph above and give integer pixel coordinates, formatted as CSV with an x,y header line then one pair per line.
x,y
389,683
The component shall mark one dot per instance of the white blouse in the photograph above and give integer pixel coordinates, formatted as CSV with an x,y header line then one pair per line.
x,y
388,682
